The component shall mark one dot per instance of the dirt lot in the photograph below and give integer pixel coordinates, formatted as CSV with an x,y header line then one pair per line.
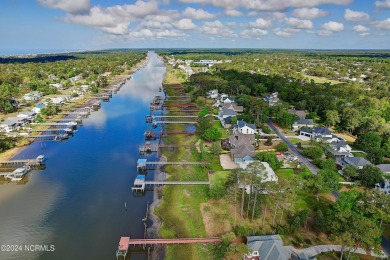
x,y
226,162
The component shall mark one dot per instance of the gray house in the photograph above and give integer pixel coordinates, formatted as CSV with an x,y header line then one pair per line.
x,y
269,247
243,153
316,133
303,123
224,114
357,162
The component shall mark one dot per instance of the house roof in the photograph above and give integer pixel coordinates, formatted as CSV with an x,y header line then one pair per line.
x,y
357,161
241,139
385,168
243,151
269,247
11,121
27,113
300,113
304,122
233,107
227,112
227,120
242,123
321,131
40,106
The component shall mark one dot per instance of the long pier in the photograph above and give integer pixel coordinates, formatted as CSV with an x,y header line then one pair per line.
x,y
125,242
24,162
174,122
155,147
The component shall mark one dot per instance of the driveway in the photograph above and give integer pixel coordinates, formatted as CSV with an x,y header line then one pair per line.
x,y
295,150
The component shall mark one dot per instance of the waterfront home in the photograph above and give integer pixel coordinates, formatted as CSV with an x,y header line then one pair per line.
x,y
300,113
58,101
308,123
241,139
234,107
268,247
243,153
355,161
29,115
37,108
17,174
32,96
9,124
243,127
225,116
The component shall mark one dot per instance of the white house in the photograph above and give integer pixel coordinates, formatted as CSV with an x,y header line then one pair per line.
x,y
37,108
384,187
228,100
213,93
29,115
317,133
32,96
12,123
243,127
270,174
59,101
57,85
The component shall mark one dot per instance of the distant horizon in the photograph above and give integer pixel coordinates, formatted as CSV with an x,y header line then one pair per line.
x,y
31,52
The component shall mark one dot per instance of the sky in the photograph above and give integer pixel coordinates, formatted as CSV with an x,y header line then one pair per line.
x,y
65,25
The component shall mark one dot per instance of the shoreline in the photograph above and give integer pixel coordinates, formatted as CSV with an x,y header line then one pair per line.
x,y
15,151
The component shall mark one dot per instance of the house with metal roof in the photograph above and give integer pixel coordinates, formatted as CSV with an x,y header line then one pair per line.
x,y
269,247
243,127
357,162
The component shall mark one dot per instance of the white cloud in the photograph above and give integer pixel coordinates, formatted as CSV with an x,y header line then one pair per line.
x,y
360,28
115,19
267,5
185,24
330,27
382,25
309,13
333,26
384,4
355,16
260,23
156,34
288,32
217,28
233,12
299,24
70,6
197,14
253,33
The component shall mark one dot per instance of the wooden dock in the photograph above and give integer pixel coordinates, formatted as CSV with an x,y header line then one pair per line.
x,y
148,148
40,160
143,164
43,138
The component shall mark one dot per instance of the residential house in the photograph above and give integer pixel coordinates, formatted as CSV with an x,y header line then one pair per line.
x,y
300,113
241,139
29,115
384,187
243,127
271,176
76,78
213,93
58,101
12,123
57,86
37,108
232,106
243,153
272,99
339,149
225,116
32,96
357,162
268,247
317,133
308,123
385,168
228,100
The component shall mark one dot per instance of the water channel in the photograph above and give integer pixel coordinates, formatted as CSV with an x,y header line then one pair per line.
x,y
77,203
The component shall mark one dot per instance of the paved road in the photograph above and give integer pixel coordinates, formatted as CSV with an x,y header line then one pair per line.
x,y
386,246
300,156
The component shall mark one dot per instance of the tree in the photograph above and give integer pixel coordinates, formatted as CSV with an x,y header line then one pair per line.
x,y
332,117
270,158
350,172
212,134
215,149
375,155
344,239
282,147
313,152
368,141
324,181
370,175
203,123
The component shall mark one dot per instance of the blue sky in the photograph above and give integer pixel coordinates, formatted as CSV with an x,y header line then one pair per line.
x,y
51,25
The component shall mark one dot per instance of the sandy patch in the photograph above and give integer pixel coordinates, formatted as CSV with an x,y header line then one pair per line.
x,y
197,145
11,153
227,162
215,219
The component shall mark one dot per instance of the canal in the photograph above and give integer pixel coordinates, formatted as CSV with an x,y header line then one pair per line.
x,y
77,203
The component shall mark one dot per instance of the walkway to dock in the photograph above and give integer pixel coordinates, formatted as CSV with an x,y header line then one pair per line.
x,y
174,122
156,147
23,162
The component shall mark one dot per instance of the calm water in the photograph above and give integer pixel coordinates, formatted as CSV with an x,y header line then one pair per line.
x,y
77,202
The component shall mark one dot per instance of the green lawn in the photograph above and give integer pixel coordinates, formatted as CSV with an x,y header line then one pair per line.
x,y
219,177
217,124
358,154
322,79
286,173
